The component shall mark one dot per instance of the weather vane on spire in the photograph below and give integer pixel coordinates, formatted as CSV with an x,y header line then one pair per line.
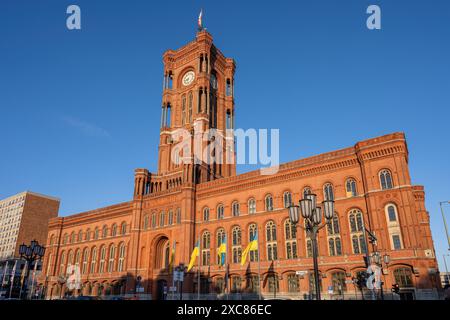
x,y
200,23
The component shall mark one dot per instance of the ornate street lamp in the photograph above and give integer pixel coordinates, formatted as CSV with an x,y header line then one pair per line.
x,y
312,214
32,253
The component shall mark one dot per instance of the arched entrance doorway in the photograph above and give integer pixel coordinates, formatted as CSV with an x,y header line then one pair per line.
x,y
162,253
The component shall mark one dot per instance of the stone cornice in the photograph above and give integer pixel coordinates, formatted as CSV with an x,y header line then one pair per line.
x,y
121,209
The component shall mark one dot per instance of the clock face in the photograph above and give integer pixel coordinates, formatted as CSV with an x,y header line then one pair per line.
x,y
188,78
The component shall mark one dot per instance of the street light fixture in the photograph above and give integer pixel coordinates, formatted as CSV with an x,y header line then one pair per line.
x,y
32,253
445,222
312,214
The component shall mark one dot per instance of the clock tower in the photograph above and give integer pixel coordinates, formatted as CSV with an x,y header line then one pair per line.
x,y
197,97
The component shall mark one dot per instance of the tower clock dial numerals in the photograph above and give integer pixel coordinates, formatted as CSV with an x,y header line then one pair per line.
x,y
188,78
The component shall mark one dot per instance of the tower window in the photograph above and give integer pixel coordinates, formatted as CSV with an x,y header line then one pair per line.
x,y
228,88
386,179
183,110
190,107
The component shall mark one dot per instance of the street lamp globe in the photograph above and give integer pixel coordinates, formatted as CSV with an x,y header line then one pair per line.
x,y
34,243
294,214
22,249
313,198
306,208
387,259
328,209
317,215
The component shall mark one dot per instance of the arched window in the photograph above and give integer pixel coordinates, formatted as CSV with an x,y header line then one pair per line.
x,y
251,206
403,277
220,240
77,258
293,284
93,260
190,107
236,283
220,212
70,259
88,235
206,214
328,193
235,209
85,261
170,217
80,236
391,212
96,233
252,233
386,179
287,199
146,222
269,203
334,239
153,220
101,268
393,226
178,215
114,230
356,231
72,237
306,191
290,233
236,244
338,281
62,269
162,218
183,110
206,248
220,285
120,266
271,241
65,238
52,239
274,285
350,188
104,231
112,258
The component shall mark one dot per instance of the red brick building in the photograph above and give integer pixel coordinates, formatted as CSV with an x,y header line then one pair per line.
x,y
370,183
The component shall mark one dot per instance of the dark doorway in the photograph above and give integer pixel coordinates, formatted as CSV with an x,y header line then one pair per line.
x,y
162,290
406,295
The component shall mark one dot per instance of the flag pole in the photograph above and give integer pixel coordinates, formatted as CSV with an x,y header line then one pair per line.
x,y
198,283
259,269
226,268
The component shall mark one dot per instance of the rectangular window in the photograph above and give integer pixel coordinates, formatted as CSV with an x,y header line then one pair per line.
x,y
396,242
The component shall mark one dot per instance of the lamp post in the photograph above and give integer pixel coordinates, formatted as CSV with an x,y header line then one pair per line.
x,y
445,222
32,253
312,214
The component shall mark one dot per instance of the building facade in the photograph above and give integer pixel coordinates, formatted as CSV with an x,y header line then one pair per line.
x,y
24,217
132,245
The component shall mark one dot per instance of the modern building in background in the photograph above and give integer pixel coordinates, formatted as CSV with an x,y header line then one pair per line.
x,y
24,217
132,247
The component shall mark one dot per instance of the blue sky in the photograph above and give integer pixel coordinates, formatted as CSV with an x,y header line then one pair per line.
x,y
80,110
